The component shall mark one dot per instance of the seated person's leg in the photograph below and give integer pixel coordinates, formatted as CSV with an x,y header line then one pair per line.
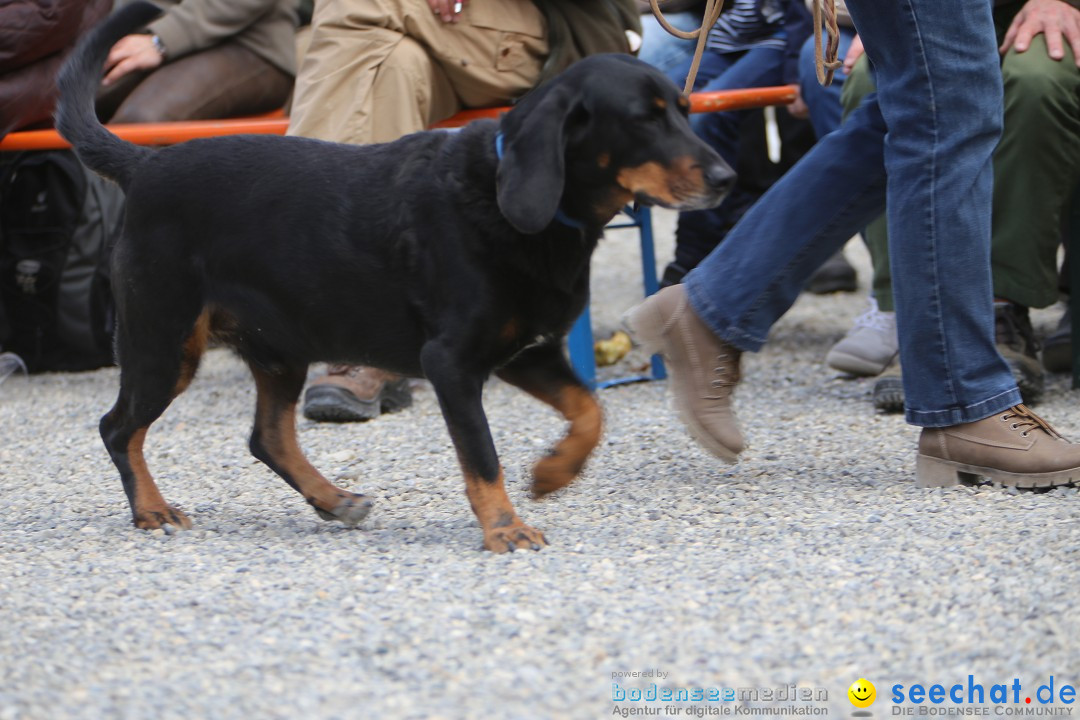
x,y
698,232
227,80
1036,166
823,101
871,346
661,49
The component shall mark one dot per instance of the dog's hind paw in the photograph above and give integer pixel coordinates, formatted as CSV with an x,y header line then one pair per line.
x,y
155,519
351,510
513,537
554,472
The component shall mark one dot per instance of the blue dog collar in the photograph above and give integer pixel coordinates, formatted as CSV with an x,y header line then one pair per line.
x,y
559,214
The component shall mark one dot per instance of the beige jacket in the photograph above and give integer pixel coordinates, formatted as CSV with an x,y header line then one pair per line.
x,y
843,19
266,27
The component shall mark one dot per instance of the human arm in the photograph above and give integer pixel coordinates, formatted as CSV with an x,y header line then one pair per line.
x,y
186,27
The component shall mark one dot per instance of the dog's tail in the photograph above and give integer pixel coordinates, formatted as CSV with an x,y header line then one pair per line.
x,y
76,120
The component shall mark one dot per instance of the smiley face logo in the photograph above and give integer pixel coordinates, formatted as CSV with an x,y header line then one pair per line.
x,y
862,693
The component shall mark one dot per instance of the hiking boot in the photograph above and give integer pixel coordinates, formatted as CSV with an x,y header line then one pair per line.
x,y
835,275
1014,447
1015,340
869,347
350,393
889,391
704,369
1057,347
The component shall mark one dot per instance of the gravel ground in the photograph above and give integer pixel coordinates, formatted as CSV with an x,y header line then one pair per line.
x,y
813,561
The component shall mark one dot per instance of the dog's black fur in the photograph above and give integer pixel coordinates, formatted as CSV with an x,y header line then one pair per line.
x,y
429,256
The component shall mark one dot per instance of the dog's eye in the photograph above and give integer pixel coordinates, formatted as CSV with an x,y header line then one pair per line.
x,y
654,115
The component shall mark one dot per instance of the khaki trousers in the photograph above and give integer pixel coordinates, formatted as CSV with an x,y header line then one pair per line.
x,y
379,69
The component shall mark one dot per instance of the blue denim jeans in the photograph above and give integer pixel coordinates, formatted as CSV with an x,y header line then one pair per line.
x,y
661,49
823,101
924,142
758,67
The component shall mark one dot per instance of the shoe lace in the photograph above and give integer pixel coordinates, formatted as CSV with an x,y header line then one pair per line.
x,y
875,319
1022,417
9,363
726,372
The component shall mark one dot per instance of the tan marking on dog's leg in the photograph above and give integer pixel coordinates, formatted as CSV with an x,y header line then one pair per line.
x,y
194,347
568,458
276,430
503,529
149,509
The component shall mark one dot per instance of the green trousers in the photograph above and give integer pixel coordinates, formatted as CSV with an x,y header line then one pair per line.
x,y
1036,171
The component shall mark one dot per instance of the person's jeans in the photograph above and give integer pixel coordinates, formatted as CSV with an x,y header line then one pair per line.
x,y
758,67
823,101
925,142
699,231
661,49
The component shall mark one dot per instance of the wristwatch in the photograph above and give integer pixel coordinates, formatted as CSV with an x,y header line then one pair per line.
x,y
158,45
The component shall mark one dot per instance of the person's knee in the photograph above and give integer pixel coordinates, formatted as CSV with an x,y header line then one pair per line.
x,y
1034,80
408,61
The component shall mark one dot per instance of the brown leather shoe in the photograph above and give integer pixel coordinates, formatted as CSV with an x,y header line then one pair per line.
x,y
1014,447
704,369
349,393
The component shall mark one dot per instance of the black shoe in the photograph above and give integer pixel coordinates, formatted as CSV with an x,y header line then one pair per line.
x,y
835,275
1057,347
1015,340
673,275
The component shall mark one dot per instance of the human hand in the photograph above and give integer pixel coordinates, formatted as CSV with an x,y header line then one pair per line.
x,y
798,108
1057,20
856,51
448,10
131,53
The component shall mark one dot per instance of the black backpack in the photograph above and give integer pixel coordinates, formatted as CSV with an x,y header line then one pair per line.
x,y
58,223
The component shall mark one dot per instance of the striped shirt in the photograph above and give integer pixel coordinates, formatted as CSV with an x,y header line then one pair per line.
x,y
743,26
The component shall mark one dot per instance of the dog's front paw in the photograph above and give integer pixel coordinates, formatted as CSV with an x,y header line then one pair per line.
x,y
513,537
160,517
351,509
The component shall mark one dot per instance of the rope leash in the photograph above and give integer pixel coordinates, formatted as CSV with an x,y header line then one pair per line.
x,y
825,61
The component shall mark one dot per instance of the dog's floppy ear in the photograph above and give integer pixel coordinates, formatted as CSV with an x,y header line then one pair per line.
x,y
529,183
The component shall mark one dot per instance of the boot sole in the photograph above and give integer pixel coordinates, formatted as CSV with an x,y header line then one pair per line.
x,y
889,395
855,365
646,332
329,403
935,472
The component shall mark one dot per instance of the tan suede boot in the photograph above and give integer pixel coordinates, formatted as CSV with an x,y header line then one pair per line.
x,y
704,369
1013,447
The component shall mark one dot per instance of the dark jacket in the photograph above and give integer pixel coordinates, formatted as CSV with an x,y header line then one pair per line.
x,y
35,37
577,28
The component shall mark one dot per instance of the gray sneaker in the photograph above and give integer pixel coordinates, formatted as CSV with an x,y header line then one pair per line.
x,y
704,369
869,347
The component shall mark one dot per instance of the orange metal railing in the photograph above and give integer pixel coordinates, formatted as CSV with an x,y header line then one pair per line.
x,y
170,133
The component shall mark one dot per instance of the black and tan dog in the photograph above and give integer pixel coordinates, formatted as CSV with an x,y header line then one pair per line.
x,y
442,255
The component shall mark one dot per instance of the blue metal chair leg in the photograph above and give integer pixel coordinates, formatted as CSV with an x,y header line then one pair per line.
x,y
580,340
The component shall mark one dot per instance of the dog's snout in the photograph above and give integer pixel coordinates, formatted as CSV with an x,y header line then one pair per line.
x,y
719,177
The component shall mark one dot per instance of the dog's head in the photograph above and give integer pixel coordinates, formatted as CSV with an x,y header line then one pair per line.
x,y
608,130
